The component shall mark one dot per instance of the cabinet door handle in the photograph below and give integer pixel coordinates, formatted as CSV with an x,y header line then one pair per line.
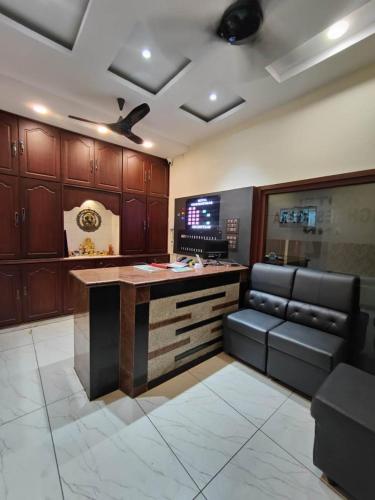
x,y
92,166
22,147
25,290
96,165
16,219
148,223
14,149
145,177
18,294
23,215
144,226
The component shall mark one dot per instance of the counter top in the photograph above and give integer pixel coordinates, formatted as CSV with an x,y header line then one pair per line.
x,y
136,277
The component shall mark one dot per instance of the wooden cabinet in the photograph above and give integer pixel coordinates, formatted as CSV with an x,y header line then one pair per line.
x,y
41,290
39,150
77,159
8,144
158,177
10,239
157,224
135,173
145,174
108,166
41,219
10,296
134,224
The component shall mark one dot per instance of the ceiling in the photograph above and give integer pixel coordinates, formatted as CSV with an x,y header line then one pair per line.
x,y
77,56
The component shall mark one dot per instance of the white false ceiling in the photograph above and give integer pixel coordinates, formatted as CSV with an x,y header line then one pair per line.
x,y
59,53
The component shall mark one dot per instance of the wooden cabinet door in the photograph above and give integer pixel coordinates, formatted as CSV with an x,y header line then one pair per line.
x,y
41,290
39,150
158,177
134,224
41,219
135,172
10,237
77,159
68,297
108,166
157,223
8,144
10,296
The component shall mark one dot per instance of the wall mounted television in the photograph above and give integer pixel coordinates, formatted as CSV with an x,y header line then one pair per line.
x,y
303,216
203,213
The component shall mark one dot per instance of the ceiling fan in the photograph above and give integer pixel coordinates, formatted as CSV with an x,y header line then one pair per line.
x,y
123,126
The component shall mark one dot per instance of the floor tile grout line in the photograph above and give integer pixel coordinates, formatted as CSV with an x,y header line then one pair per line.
x,y
49,424
20,416
235,409
170,448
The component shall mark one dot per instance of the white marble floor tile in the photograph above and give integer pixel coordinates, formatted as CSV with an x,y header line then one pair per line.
x,y
28,466
50,331
16,338
56,364
254,395
32,324
163,393
202,430
263,471
292,427
108,449
20,387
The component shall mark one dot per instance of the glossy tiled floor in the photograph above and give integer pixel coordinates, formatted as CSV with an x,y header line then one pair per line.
x,y
219,431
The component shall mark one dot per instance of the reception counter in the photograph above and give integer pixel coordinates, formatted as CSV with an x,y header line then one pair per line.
x,y
135,329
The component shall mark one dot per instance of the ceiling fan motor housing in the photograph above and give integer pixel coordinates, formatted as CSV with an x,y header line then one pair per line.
x,y
241,20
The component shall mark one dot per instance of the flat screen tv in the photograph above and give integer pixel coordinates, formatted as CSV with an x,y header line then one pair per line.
x,y
203,213
304,216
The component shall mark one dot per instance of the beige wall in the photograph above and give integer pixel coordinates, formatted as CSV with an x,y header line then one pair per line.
x,y
329,131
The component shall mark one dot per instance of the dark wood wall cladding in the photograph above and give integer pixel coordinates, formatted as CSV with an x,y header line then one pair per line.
x,y
45,170
74,197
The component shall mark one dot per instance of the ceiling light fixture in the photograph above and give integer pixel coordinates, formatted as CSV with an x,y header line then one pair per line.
x,y
39,108
102,129
337,30
213,96
147,144
146,53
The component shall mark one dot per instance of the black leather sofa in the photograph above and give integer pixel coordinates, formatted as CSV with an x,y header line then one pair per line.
x,y
344,446
296,325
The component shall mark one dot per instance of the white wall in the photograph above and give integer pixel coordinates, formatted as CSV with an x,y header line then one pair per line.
x,y
327,132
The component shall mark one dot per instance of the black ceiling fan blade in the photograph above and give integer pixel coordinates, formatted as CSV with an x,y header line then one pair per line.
x,y
132,137
84,120
135,116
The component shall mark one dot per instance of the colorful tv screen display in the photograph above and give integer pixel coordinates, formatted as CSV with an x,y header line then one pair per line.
x,y
203,213
305,216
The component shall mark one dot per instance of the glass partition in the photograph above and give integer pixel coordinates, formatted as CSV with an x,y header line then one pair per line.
x,y
331,229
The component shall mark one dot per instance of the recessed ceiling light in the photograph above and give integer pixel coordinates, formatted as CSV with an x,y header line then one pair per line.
x,y
337,30
147,144
146,53
102,129
213,96
39,108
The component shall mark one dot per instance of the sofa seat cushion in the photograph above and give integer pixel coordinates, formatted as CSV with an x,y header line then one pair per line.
x,y
347,392
252,324
318,348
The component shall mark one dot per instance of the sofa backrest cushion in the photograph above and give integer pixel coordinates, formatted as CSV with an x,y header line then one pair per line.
x,y
332,290
322,318
274,280
266,303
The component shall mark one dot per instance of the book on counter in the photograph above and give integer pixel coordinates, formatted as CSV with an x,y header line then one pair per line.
x,y
170,265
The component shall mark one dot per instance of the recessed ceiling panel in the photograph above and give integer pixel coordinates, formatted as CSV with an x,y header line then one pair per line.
x,y
214,104
58,20
152,73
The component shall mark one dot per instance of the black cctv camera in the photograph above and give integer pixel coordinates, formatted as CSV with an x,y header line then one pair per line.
x,y
240,21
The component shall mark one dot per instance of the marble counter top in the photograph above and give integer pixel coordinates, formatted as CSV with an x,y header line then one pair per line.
x,y
136,277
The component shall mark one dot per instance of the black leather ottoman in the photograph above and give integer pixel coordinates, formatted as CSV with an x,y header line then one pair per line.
x,y
344,413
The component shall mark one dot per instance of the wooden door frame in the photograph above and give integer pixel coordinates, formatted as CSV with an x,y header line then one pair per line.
x,y
261,194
